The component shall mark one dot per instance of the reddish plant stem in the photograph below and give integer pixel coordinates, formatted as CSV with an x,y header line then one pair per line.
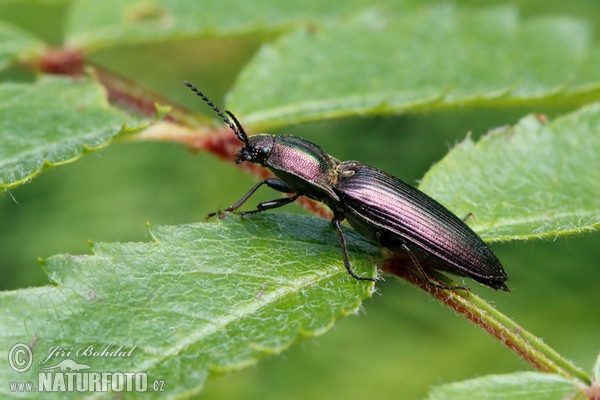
x,y
131,96
61,61
219,141
518,340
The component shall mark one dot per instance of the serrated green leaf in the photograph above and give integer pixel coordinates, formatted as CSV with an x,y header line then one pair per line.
x,y
118,22
532,180
16,44
51,122
516,386
399,60
199,299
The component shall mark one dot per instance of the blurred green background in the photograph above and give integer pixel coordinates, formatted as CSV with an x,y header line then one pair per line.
x,y
403,342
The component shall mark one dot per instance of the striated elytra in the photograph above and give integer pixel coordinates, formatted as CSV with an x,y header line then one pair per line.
x,y
381,207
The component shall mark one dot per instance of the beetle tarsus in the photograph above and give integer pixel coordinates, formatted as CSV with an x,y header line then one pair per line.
x,y
266,205
431,282
468,217
219,214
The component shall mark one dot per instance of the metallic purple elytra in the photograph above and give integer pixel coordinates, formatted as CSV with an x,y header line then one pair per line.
x,y
382,208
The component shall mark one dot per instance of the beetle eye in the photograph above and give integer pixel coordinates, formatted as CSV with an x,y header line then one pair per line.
x,y
265,150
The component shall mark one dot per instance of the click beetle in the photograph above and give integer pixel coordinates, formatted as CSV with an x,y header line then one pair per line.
x,y
381,207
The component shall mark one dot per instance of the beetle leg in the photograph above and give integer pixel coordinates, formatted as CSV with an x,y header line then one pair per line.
x,y
273,183
468,217
338,228
271,204
429,280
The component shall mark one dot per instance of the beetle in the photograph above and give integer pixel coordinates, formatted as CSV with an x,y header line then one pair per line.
x,y
382,208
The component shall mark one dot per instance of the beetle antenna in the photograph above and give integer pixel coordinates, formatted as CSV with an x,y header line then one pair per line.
x,y
240,130
235,125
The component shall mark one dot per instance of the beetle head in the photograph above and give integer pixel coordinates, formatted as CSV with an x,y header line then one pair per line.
x,y
256,150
